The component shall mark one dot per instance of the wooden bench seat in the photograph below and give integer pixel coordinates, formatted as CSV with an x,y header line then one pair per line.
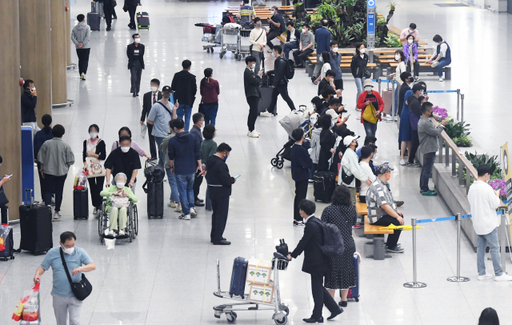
x,y
375,230
361,208
392,56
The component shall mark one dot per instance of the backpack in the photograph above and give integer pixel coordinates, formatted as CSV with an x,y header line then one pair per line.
x,y
289,71
333,240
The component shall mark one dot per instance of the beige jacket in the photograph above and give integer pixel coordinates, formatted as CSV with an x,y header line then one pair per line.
x,y
255,33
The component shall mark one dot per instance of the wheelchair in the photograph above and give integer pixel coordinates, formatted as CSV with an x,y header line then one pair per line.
x,y
132,223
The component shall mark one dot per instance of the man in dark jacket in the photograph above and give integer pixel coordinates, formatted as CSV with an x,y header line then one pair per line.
x,y
414,104
301,164
41,136
276,23
406,85
28,105
185,88
280,83
292,39
135,53
252,93
185,161
219,185
149,99
323,43
315,262
198,120
131,7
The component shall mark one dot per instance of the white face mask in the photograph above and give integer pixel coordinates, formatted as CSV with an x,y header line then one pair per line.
x,y
154,89
273,55
409,41
68,251
335,50
93,135
362,51
137,40
125,149
374,156
397,57
368,89
120,185
305,31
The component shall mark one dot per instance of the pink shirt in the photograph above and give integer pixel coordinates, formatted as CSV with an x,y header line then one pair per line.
x,y
134,146
406,32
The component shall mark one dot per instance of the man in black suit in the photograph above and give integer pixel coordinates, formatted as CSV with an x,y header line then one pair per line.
x,y
135,53
131,7
149,99
315,262
219,186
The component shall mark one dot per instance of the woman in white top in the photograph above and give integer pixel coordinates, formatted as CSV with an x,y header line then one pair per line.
x,y
366,155
401,67
350,167
326,59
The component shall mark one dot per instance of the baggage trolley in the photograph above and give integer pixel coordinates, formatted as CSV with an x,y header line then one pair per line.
x,y
245,44
211,35
230,40
281,310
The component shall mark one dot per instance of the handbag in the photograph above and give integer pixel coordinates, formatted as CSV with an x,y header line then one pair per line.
x,y
201,108
3,197
81,289
345,178
95,167
366,73
435,64
369,114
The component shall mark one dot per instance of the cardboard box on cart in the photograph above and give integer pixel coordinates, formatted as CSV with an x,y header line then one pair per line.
x,y
261,293
259,271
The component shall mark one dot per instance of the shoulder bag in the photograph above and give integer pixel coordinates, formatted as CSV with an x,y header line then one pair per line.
x,y
345,178
165,108
81,289
3,197
369,114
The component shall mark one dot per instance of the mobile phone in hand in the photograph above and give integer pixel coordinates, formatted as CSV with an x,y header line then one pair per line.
x,y
9,176
236,176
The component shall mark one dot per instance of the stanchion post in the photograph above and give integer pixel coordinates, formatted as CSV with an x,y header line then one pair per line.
x,y
458,278
462,107
458,103
414,284
379,82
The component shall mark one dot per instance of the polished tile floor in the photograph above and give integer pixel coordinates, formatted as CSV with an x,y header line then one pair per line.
x,y
168,275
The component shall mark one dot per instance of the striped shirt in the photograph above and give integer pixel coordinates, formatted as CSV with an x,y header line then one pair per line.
x,y
378,194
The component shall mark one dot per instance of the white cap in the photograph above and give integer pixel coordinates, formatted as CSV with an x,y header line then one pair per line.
x,y
348,139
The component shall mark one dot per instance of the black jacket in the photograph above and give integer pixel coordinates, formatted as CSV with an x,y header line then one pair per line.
x,y
131,57
41,137
28,107
297,36
251,84
279,71
218,178
301,163
313,238
401,96
147,103
358,64
185,87
327,142
101,150
130,3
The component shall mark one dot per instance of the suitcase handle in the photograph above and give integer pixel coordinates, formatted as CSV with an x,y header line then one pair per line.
x,y
31,201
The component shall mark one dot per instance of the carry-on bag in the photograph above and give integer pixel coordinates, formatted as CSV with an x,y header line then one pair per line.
x,y
155,193
387,97
266,95
97,7
93,20
6,243
143,20
238,276
36,226
80,204
353,293
324,183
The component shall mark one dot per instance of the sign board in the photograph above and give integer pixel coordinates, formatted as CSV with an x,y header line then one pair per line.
x,y
505,163
370,28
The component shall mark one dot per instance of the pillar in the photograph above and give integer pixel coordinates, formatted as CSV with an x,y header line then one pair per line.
x,y
68,32
35,51
58,51
10,131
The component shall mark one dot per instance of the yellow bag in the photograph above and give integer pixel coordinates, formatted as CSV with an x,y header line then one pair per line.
x,y
369,114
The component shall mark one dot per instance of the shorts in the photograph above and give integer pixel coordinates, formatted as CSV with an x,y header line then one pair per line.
x,y
338,84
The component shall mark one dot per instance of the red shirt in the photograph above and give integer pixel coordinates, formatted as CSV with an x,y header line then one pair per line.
x,y
377,101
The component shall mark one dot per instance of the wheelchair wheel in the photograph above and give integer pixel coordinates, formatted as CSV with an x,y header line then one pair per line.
x,y
136,220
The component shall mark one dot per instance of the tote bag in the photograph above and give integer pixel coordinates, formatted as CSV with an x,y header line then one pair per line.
x,y
369,114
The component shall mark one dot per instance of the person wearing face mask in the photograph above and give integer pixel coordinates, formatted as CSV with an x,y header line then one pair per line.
x,y
118,201
198,119
41,137
442,57
185,88
292,39
323,42
411,56
306,46
406,85
28,106
411,30
258,39
301,165
414,104
335,59
366,157
400,68
327,81
174,199
428,135
135,53
94,147
246,14
358,68
161,113
77,261
382,209
406,134
149,99
327,142
219,185
276,27
209,90
252,81
126,132
123,160
326,66
370,117
350,167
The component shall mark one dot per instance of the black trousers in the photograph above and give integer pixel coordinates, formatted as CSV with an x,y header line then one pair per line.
x,y
270,37
136,73
83,60
283,91
152,142
416,67
301,191
95,186
54,184
131,11
253,102
414,147
387,220
4,214
108,10
197,185
321,296
219,217
41,180
300,57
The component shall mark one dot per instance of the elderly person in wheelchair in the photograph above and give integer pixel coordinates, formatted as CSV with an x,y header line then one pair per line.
x,y
118,201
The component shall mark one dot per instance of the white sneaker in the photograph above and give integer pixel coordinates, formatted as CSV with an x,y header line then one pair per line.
x,y
266,114
121,233
253,134
503,277
484,277
193,212
403,162
82,76
107,232
56,217
441,79
111,233
178,208
184,217
172,204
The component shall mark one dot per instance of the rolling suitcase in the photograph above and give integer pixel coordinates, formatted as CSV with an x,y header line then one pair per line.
x,y
324,183
155,200
93,20
387,97
238,276
36,226
80,204
97,7
266,95
6,243
143,20
353,293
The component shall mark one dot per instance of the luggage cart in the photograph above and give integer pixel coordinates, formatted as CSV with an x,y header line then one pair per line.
x,y
230,40
245,44
281,310
211,35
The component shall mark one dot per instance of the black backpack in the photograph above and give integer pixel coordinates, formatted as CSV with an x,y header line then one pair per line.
x,y
282,248
333,240
154,173
289,72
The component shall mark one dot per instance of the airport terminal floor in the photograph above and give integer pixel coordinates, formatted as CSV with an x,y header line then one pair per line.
x,y
169,273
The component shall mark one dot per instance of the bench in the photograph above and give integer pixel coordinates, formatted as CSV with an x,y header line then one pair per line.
x,y
425,67
397,31
375,249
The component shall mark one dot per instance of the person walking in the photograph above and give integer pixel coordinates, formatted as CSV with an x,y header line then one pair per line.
x,y
315,262
484,201
358,68
341,274
208,149
40,138
280,84
148,100
209,90
80,36
55,157
252,81
306,46
28,106
94,148
77,262
371,105
443,56
135,53
428,137
124,160
258,39
277,27
174,199
219,185
335,59
323,43
130,6
301,165
198,119
185,88
350,167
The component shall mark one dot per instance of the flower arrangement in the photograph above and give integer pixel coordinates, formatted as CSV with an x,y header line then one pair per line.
x,y
498,182
441,112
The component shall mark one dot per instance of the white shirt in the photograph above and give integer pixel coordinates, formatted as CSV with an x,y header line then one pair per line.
x,y
371,176
325,67
305,221
349,162
399,69
442,50
483,202
292,36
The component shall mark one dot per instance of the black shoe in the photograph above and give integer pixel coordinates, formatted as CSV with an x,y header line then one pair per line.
x,y
109,29
342,304
222,242
198,203
115,17
134,95
298,223
200,200
399,203
313,320
336,313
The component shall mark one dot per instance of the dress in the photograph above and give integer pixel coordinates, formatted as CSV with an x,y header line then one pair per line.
x,y
341,273
405,132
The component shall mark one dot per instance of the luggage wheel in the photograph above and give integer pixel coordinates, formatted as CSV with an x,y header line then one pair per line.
x,y
231,317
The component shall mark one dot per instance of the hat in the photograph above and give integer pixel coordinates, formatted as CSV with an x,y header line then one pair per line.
x,y
332,113
166,89
384,168
368,82
348,139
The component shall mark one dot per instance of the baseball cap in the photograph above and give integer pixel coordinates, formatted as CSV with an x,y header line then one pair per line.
x,y
166,89
384,168
348,139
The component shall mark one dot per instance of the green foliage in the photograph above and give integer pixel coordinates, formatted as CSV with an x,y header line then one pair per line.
x,y
392,40
298,4
457,130
342,34
392,6
462,141
328,11
492,161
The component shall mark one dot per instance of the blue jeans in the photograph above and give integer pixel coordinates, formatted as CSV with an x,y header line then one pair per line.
x,y
288,47
187,111
426,170
173,185
186,190
210,113
490,239
159,141
442,63
359,85
370,128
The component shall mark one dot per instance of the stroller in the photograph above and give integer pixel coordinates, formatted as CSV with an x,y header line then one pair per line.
x,y
290,122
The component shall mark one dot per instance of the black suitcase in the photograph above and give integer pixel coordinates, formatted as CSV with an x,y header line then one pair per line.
x,y
80,204
93,20
36,226
238,276
155,193
324,183
8,245
266,95
143,20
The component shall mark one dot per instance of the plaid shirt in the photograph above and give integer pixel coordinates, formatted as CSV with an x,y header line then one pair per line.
x,y
377,195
